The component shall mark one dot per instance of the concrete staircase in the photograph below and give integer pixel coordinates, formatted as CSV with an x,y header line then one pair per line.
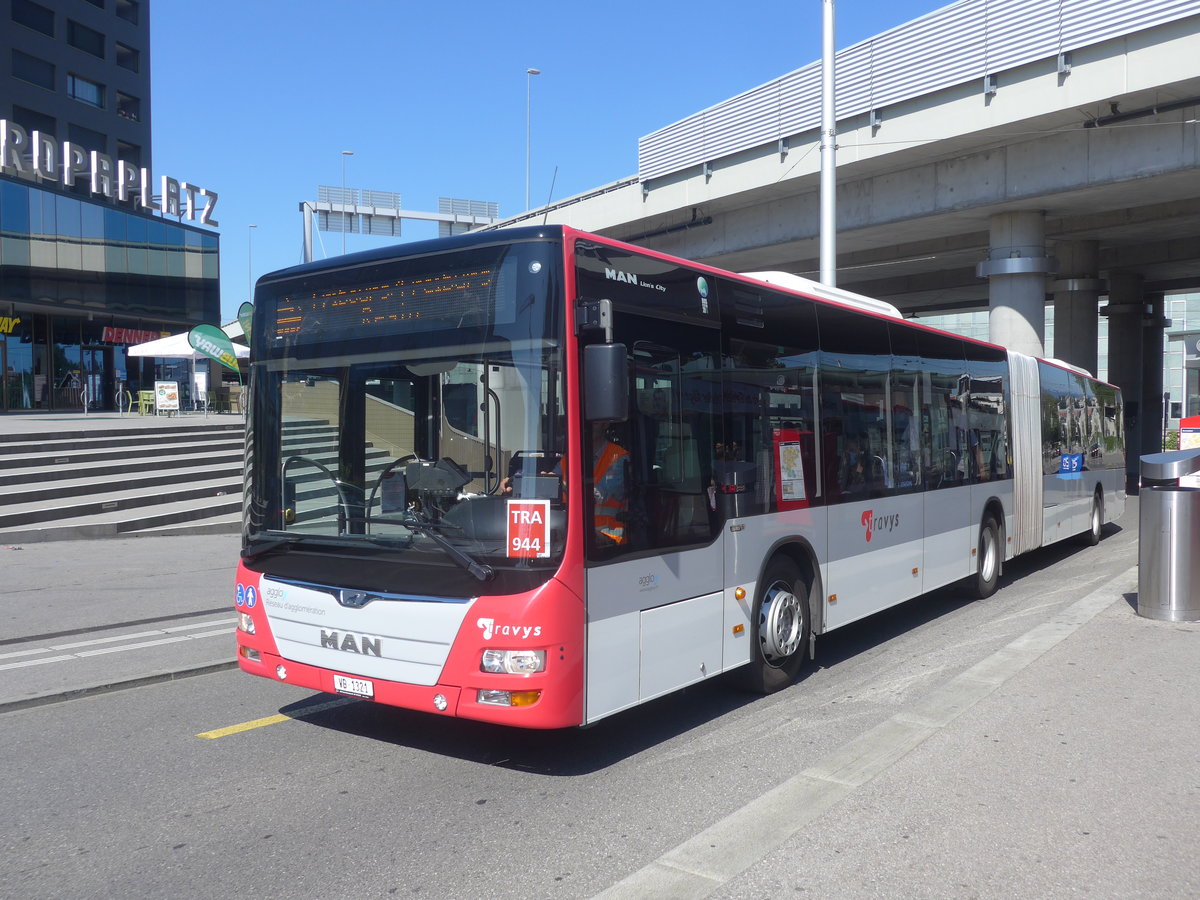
x,y
170,480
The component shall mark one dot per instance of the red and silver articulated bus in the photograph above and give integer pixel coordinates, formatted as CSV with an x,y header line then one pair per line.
x,y
536,477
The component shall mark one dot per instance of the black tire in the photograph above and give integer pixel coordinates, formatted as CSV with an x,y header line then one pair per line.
x,y
779,629
987,559
1092,536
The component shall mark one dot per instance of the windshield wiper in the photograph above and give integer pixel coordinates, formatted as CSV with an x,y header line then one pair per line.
x,y
481,571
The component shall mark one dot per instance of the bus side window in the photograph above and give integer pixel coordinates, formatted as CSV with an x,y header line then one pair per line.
x,y
854,370
904,388
674,422
943,412
663,453
768,455
987,413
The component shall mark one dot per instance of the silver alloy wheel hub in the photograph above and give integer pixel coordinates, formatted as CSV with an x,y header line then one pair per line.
x,y
988,569
780,621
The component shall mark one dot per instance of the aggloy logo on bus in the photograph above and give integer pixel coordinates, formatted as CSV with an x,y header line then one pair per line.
x,y
873,523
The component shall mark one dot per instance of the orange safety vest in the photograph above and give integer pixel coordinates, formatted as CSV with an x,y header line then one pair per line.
x,y
609,478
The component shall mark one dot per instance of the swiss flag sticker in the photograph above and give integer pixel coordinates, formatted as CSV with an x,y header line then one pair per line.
x,y
528,528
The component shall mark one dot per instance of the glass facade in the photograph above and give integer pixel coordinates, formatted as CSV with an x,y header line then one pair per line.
x,y
1182,383
80,282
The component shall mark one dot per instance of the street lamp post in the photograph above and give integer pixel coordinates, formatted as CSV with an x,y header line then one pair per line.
x,y
529,73
345,221
250,262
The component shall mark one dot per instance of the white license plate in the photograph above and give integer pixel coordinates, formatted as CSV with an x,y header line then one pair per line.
x,y
359,687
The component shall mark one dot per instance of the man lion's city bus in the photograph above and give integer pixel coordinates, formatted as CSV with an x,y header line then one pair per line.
x,y
536,477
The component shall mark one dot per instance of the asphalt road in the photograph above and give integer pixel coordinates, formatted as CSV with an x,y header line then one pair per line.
x,y
224,785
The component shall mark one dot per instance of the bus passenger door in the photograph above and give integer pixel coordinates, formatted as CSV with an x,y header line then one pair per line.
x,y
654,578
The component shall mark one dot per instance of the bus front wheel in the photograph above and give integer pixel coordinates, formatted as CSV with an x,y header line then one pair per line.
x,y
779,629
987,572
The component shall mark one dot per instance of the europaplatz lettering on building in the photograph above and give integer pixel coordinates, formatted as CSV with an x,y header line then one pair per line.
x,y
41,156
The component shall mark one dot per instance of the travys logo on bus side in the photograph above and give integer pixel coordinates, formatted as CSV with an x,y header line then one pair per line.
x,y
873,523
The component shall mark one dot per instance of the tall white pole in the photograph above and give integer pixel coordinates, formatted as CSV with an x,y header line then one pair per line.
x,y
345,221
828,151
529,73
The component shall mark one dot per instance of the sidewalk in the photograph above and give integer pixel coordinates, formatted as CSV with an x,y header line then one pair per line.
x,y
1065,764
1079,775
68,609
71,424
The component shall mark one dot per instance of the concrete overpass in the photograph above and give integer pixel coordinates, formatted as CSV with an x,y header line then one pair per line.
x,y
994,153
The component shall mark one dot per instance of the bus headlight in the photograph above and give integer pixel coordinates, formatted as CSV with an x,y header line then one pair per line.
x,y
513,662
508,698
245,623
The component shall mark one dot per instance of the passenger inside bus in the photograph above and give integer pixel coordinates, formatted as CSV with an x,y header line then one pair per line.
x,y
852,474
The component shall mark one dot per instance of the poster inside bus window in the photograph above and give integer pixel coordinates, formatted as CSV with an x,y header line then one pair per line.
x,y
791,472
793,467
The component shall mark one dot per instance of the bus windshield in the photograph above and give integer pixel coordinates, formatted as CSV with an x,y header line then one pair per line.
x,y
400,408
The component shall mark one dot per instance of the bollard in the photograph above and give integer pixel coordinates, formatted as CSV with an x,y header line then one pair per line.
x,y
1169,538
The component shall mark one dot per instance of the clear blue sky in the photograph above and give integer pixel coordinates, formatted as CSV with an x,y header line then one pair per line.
x,y
256,99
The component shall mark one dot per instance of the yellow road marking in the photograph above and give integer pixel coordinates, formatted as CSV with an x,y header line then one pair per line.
x,y
269,720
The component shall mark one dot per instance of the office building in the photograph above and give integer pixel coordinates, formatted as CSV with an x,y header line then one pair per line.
x,y
97,250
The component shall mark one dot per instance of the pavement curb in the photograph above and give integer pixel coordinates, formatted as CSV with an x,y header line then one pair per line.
x,y
113,626
7,706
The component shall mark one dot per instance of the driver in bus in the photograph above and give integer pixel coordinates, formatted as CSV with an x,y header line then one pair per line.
x,y
554,471
610,477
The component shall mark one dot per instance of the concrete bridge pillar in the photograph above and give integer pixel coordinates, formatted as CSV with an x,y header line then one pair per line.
x,y
1126,311
1076,303
1153,326
1016,269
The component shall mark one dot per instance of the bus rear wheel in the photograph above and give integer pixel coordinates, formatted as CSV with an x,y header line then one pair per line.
x,y
779,629
1091,537
987,573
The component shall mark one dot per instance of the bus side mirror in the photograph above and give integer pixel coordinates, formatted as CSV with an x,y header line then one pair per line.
x,y
605,382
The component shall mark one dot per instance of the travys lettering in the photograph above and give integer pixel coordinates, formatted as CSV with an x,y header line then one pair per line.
x,y
491,629
873,523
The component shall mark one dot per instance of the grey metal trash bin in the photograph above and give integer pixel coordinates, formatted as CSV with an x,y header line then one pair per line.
x,y
1169,538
